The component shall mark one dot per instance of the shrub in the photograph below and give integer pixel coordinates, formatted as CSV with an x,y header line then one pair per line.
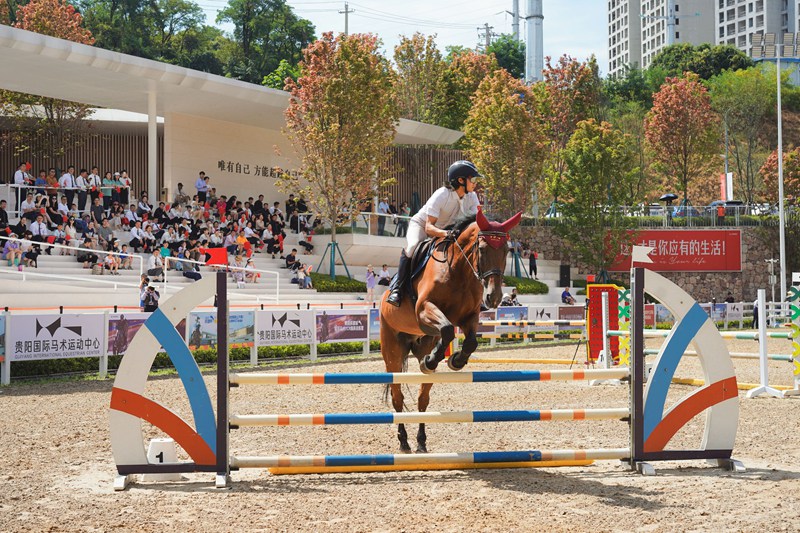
x,y
526,285
324,283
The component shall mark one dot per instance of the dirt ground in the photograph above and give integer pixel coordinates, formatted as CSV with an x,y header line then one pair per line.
x,y
58,470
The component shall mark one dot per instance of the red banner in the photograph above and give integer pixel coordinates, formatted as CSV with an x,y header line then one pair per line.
x,y
688,251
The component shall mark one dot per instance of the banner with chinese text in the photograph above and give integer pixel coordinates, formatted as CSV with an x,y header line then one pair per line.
x,y
688,251
275,328
342,327
35,337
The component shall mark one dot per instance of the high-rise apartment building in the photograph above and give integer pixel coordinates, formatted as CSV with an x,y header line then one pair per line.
x,y
639,29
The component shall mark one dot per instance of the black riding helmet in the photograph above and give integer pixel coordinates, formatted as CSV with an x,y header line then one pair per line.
x,y
461,169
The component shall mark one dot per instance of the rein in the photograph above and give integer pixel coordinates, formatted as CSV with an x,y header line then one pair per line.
x,y
476,270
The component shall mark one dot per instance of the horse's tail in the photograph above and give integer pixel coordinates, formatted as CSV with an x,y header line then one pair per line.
x,y
387,390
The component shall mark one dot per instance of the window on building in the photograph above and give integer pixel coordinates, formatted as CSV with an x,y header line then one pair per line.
x,y
677,35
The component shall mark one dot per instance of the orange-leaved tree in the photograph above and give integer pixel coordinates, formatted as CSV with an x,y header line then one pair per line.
x,y
791,175
465,72
53,125
683,132
505,135
341,121
420,78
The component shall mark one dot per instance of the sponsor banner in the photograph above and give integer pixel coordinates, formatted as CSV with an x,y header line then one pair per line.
x,y
649,315
542,312
663,315
56,337
2,337
735,312
275,328
486,315
342,327
122,328
571,312
687,251
203,330
511,314
374,324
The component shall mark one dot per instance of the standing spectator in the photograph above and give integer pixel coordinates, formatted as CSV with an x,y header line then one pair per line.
x,y
95,182
202,187
150,300
21,180
755,312
532,268
401,228
383,212
67,182
82,183
107,188
52,184
3,214
125,183
371,282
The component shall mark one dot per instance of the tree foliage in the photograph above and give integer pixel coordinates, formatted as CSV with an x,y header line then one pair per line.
x,y
265,32
745,99
791,175
278,78
506,137
682,131
420,78
465,72
50,123
600,166
510,54
341,120
704,60
574,94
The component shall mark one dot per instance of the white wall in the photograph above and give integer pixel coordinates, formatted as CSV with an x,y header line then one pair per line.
x,y
192,144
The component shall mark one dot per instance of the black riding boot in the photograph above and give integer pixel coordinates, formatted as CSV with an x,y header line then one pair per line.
x,y
400,281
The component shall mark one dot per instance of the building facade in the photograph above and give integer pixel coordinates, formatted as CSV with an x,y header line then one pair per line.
x,y
639,29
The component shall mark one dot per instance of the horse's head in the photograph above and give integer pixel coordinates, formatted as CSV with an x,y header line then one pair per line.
x,y
492,252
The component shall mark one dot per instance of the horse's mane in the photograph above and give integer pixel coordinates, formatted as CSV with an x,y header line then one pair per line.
x,y
461,222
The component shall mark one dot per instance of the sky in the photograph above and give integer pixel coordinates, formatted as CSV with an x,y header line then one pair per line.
x,y
574,27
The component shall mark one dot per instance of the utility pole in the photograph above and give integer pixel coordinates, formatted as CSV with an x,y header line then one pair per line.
x,y
346,14
534,47
515,19
485,33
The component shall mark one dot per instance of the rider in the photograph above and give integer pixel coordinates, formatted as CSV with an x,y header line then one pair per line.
x,y
457,197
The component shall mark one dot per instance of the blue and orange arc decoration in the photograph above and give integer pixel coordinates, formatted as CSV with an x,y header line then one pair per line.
x,y
129,406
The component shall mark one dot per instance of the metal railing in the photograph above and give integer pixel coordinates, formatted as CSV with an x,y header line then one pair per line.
x,y
89,250
15,194
26,273
228,268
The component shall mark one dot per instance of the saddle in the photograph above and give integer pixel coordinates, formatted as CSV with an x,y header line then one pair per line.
x,y
419,259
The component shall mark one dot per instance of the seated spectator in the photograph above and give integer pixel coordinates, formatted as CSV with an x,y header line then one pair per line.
x,y
291,260
97,212
305,242
31,252
155,265
105,234
3,214
566,297
131,216
237,273
144,208
126,258
304,277
384,278
251,276
510,299
86,254
180,195
12,252
28,207
111,263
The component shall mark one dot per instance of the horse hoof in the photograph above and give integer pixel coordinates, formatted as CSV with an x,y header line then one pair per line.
x,y
421,448
450,365
405,449
424,368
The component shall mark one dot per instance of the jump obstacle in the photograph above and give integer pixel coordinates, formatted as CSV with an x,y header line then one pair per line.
x,y
207,443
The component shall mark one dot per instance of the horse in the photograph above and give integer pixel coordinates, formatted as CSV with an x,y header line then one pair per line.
x,y
449,292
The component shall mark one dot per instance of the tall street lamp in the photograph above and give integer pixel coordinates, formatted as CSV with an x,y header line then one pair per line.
x,y
764,48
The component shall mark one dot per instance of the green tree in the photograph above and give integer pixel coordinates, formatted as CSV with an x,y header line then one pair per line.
x,y
119,25
465,72
420,78
506,138
510,54
600,164
277,79
704,60
169,19
341,120
265,32
574,94
628,117
683,132
53,124
745,99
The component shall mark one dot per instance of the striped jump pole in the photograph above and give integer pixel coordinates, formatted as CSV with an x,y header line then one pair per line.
x,y
550,336
511,361
295,470
734,355
276,461
539,323
743,335
387,378
453,417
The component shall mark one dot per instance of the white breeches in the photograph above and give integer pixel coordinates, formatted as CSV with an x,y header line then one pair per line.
x,y
415,235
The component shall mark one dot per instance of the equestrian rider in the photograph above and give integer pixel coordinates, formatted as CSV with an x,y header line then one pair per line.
x,y
456,198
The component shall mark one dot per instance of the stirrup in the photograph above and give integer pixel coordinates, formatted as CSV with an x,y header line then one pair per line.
x,y
394,298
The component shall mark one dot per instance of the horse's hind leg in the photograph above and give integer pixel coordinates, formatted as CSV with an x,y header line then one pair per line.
x,y
422,404
395,350
433,322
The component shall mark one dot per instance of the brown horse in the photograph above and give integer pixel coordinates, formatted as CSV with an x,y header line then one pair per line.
x,y
449,294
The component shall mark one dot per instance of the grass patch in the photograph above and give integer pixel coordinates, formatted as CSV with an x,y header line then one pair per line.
x,y
526,285
324,283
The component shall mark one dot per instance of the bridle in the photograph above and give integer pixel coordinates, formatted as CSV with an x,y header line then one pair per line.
x,y
474,251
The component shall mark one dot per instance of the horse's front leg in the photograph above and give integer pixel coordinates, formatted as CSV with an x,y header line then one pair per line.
x,y
458,360
433,322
